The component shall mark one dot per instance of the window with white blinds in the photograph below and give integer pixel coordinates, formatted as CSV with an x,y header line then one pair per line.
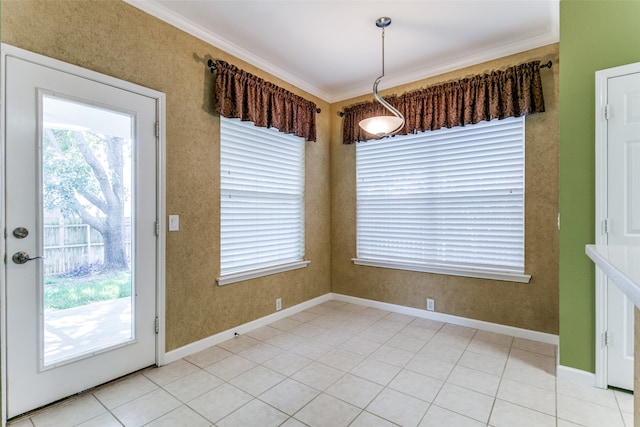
x,y
261,201
449,201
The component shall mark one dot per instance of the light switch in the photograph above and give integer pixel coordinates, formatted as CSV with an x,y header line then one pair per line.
x,y
174,222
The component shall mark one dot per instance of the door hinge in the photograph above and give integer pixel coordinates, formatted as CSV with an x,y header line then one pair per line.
x,y
605,226
157,129
157,325
157,227
607,112
607,338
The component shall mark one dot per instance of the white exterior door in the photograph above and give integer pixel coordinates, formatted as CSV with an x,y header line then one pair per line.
x,y
623,215
80,183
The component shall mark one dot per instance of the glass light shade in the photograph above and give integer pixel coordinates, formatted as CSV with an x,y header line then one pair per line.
x,y
381,125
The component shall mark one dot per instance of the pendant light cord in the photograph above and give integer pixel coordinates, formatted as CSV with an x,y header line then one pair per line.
x,y
382,52
384,103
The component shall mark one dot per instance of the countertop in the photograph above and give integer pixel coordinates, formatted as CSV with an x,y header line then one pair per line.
x,y
621,264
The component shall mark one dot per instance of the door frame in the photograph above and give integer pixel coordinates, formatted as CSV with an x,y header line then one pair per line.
x,y
160,98
602,97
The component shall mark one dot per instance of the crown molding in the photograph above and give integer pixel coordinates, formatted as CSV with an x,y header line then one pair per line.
x,y
552,36
391,82
157,10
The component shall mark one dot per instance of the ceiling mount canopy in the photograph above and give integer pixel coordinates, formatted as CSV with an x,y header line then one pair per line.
x,y
383,126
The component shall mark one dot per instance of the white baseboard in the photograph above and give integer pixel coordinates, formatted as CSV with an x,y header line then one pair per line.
x,y
576,375
197,346
456,320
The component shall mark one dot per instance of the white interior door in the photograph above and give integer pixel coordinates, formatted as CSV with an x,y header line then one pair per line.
x,y
623,207
80,185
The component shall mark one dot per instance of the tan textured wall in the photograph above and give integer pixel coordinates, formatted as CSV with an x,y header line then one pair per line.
x,y
114,38
532,306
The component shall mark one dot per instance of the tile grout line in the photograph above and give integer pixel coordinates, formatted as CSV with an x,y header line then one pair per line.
x,y
504,369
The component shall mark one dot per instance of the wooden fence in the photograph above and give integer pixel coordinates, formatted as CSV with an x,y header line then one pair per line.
x,y
69,246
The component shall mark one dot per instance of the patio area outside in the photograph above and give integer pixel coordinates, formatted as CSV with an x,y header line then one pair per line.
x,y
86,329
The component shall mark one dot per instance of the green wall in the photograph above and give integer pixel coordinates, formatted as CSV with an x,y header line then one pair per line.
x,y
594,35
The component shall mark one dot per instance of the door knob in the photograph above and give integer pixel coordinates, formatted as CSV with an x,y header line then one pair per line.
x,y
22,257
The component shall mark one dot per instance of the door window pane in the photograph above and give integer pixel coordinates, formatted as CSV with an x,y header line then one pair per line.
x,y
87,231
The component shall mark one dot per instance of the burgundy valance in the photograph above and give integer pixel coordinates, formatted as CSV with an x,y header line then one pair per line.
x,y
244,96
514,92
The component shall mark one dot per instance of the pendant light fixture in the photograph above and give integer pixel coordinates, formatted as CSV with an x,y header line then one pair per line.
x,y
383,126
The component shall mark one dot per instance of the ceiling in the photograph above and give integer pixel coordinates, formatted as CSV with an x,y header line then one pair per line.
x,y
333,49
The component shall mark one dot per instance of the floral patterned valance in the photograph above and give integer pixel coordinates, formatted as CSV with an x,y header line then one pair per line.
x,y
244,96
514,92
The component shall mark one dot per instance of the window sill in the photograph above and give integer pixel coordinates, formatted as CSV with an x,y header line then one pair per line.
x,y
261,272
451,271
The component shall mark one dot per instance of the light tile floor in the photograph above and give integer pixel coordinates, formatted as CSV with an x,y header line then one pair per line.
x,y
340,364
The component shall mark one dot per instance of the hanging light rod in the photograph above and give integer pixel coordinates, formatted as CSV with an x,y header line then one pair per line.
x,y
383,126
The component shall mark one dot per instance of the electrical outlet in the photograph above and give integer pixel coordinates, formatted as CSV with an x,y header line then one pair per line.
x,y
278,304
431,305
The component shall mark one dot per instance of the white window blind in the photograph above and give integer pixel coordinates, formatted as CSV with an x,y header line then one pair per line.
x,y
447,199
262,198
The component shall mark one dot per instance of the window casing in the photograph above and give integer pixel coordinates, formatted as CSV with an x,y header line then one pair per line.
x,y
261,201
449,201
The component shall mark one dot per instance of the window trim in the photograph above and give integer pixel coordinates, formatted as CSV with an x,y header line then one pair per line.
x,y
447,270
227,279
285,265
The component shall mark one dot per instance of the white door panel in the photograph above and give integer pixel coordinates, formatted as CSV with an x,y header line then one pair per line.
x,y
61,128
632,181
623,210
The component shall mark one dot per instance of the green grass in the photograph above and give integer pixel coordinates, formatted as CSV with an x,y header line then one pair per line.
x,y
67,292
